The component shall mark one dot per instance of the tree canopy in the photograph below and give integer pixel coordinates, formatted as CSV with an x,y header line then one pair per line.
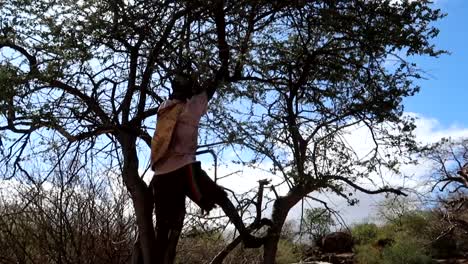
x,y
293,78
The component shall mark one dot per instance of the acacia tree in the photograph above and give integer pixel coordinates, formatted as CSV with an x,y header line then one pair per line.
x,y
327,68
87,75
450,160
449,178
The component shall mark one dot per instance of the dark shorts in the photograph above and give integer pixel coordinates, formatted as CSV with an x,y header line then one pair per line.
x,y
171,188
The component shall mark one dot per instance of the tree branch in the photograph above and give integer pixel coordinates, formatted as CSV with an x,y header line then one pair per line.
x,y
257,223
364,190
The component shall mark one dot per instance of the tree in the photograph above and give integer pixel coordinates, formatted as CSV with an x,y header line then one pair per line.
x,y
449,178
450,164
317,223
325,69
87,76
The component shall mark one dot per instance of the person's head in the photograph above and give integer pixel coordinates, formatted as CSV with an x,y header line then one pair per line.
x,y
182,85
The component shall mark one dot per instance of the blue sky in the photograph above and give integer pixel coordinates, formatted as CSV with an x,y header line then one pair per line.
x,y
444,96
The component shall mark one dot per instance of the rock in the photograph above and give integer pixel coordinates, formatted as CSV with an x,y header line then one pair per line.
x,y
337,242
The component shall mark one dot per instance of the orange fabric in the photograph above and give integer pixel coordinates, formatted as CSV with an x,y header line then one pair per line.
x,y
167,120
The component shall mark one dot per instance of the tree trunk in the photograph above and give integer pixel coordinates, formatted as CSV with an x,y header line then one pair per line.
x,y
281,209
280,212
141,196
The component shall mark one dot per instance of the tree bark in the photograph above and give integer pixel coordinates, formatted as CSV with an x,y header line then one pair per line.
x,y
281,209
141,196
258,223
280,212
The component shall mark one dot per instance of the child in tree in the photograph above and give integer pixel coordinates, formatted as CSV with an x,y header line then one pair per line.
x,y
177,173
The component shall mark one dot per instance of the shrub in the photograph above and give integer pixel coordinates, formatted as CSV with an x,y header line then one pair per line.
x,y
287,252
367,254
406,249
199,248
365,233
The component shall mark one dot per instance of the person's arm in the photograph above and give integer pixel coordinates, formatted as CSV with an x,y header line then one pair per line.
x,y
209,88
189,83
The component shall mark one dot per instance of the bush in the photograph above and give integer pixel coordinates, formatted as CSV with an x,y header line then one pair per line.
x,y
367,254
287,252
406,249
198,249
365,233
71,222
444,247
415,223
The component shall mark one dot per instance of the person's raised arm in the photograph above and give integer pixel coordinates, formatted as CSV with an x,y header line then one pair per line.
x,y
210,90
191,84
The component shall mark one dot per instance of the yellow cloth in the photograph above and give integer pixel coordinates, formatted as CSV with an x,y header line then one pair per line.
x,y
166,122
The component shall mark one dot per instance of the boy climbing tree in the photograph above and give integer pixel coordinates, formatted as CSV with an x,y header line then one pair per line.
x,y
177,173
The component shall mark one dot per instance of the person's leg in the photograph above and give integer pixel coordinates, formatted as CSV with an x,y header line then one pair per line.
x,y
169,199
206,193
137,257
174,235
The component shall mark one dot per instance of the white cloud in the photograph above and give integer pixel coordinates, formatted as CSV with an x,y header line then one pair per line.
x,y
429,130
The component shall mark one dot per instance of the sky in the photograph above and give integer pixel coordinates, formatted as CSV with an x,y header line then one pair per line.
x,y
444,94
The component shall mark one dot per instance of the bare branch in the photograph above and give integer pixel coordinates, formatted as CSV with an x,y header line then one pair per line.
x,y
364,190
